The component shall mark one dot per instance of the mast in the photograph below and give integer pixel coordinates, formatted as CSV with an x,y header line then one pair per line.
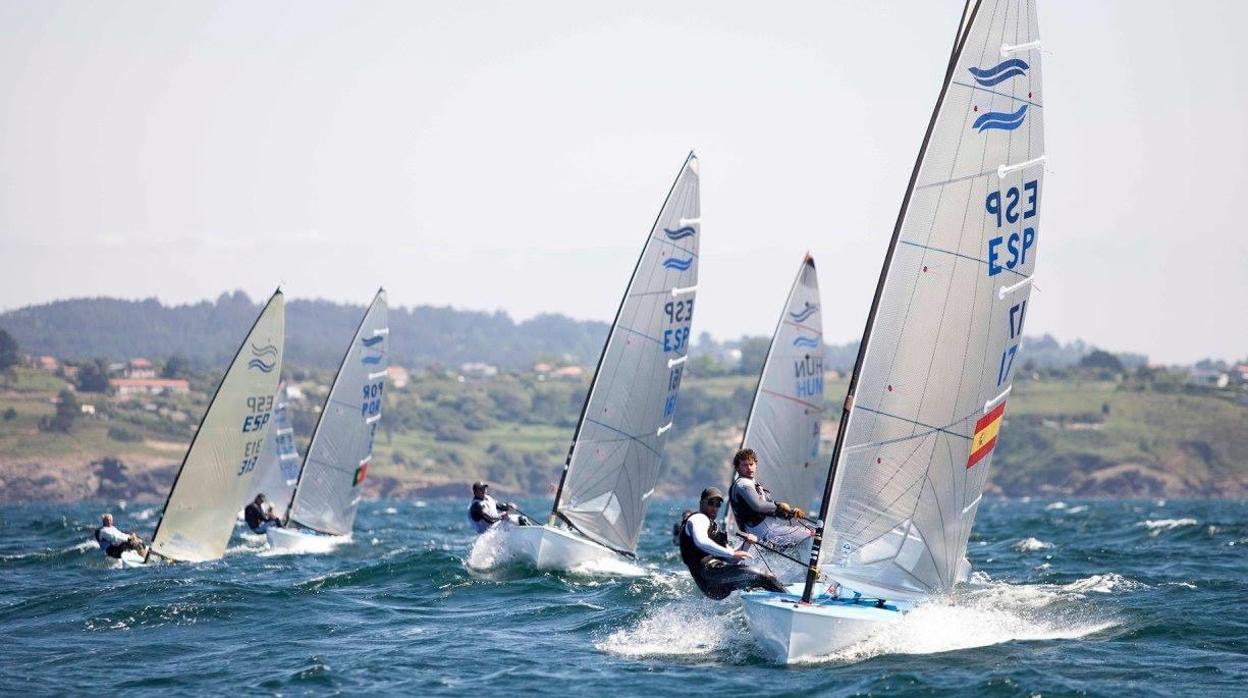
x,y
290,507
812,571
173,487
580,422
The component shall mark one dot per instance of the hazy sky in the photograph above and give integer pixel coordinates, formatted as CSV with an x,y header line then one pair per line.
x,y
513,155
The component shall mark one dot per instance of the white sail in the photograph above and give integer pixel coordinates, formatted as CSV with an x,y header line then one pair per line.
x,y
278,469
618,450
219,466
328,492
784,421
942,343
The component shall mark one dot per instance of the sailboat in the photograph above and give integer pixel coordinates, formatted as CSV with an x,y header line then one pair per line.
x,y
935,367
278,469
614,461
327,492
219,466
785,416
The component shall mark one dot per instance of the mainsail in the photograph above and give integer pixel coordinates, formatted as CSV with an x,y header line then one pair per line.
x,y
938,357
328,492
783,426
278,469
616,455
217,471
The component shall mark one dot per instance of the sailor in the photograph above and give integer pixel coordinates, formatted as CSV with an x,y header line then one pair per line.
x,y
259,517
717,569
777,524
485,512
113,541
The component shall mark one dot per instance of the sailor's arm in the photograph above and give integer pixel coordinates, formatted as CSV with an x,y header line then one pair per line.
x,y
699,528
477,512
755,500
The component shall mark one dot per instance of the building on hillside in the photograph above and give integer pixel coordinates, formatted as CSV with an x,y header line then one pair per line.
x,y
478,369
543,367
140,368
46,363
398,376
87,409
126,387
1239,374
568,373
1208,377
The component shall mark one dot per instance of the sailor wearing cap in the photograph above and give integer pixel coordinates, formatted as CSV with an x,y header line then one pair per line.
x,y
484,512
717,569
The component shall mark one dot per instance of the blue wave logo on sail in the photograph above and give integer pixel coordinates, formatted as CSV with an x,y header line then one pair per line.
x,y
371,360
806,342
679,233
1000,72
372,341
678,264
804,314
1000,120
259,354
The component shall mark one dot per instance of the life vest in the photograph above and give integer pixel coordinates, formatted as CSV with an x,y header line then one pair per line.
x,y
741,511
690,553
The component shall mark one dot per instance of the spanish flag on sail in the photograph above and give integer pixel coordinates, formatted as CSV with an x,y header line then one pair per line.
x,y
985,438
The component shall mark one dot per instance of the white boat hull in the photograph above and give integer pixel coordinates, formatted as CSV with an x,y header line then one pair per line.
x,y
789,631
130,559
548,548
293,540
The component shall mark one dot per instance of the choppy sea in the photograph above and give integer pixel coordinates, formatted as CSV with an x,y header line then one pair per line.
x,y
1101,598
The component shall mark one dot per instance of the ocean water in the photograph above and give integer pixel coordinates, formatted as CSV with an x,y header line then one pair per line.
x,y
1069,598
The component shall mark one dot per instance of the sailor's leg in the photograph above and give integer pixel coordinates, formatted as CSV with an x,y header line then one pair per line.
x,y
781,534
726,578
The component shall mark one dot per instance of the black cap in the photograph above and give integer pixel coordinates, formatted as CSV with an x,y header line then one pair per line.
x,y
479,485
712,493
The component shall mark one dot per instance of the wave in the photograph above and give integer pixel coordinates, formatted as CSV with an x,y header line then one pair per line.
x,y
679,233
1003,121
682,628
805,313
1031,545
678,264
999,73
261,366
808,342
1158,525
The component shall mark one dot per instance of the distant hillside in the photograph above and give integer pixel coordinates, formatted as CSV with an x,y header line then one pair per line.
x,y
207,333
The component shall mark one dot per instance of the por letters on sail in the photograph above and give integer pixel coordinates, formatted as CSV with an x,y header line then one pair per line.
x,y
220,464
940,351
784,421
617,452
328,492
278,468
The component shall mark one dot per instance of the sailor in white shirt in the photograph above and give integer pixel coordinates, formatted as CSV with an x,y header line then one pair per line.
x,y
113,541
716,568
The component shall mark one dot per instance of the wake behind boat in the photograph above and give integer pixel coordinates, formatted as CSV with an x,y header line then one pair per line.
x,y
616,454
327,493
198,517
934,368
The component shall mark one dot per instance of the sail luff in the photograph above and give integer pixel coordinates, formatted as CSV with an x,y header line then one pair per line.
x,y
812,573
157,546
606,344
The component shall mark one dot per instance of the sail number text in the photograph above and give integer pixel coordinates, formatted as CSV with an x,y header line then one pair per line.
x,y
676,339
1010,251
372,399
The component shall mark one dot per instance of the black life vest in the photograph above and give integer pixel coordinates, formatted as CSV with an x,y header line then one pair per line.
x,y
690,553
97,533
745,516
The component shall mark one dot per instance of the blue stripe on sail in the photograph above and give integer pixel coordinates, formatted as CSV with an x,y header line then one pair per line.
x,y
678,264
372,341
805,313
679,233
999,73
1000,120
807,342
261,366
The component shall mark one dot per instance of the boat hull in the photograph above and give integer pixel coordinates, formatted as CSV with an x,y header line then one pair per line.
x,y
298,541
548,548
789,631
130,559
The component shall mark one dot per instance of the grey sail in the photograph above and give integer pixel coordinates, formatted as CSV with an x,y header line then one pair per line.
x,y
941,348
328,492
278,468
784,421
220,464
618,449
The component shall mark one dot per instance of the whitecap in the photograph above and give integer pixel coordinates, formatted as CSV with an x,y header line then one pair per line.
x,y
1031,545
1104,584
389,510
1055,506
1077,510
681,628
1158,525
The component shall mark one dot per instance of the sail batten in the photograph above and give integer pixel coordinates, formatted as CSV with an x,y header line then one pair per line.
x,y
328,492
616,453
219,465
929,390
